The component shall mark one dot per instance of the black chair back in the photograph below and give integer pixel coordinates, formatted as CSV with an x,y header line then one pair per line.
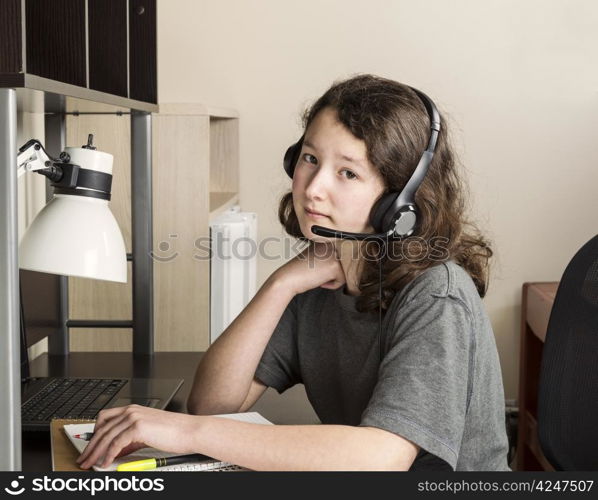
x,y
568,391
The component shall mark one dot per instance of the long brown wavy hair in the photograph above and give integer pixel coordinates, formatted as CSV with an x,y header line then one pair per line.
x,y
393,122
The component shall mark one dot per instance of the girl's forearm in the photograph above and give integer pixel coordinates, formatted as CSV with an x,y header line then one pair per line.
x,y
303,447
225,373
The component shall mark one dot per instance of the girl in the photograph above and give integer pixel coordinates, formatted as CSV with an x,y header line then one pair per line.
x,y
389,338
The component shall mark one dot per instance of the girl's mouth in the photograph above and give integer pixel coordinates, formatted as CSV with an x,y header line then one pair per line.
x,y
314,215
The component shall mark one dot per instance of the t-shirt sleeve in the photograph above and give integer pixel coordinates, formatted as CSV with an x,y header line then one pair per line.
x,y
423,387
279,365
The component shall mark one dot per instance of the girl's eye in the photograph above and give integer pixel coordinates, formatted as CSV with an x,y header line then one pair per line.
x,y
348,174
310,158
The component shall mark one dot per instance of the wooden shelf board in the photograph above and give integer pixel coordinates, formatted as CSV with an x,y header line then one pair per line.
x,y
34,82
219,202
176,108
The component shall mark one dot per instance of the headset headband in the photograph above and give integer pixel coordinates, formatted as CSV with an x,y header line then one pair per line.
x,y
407,195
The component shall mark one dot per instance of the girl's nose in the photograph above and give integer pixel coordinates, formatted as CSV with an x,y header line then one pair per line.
x,y
318,185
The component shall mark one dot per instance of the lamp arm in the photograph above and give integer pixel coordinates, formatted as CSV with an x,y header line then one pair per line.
x,y
33,157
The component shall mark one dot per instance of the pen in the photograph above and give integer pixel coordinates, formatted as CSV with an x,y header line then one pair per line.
x,y
153,463
86,436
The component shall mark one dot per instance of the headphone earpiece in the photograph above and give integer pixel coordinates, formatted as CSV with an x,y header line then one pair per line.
x,y
405,221
379,211
384,216
291,157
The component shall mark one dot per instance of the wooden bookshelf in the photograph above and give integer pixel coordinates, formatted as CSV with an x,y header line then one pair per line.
x,y
195,161
537,300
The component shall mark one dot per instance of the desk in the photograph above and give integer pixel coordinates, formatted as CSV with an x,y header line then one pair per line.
x,y
292,407
536,304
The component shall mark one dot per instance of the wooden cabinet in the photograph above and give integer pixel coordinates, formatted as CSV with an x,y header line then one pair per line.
x,y
196,172
94,299
11,43
56,40
195,159
537,300
101,55
107,37
142,51
103,45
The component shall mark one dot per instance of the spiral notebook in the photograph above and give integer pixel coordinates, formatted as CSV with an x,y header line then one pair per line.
x,y
205,466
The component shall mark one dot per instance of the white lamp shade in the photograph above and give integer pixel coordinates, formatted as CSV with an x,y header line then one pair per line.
x,y
75,236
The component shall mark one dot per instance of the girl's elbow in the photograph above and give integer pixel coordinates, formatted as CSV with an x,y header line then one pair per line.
x,y
193,407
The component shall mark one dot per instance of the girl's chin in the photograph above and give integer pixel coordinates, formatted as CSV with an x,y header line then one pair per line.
x,y
320,239
314,237
323,239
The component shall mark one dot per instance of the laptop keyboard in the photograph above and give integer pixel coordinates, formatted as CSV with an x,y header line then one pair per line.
x,y
69,398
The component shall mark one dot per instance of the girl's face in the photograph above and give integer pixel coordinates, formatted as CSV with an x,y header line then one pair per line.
x,y
334,184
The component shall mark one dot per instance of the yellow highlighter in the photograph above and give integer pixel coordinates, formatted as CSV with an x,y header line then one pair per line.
x,y
153,463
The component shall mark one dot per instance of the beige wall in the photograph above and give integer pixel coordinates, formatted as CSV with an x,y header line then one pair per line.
x,y
519,79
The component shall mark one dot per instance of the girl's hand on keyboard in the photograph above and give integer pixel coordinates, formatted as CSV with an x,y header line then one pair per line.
x,y
120,431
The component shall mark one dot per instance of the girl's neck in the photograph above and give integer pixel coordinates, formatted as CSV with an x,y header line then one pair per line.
x,y
349,253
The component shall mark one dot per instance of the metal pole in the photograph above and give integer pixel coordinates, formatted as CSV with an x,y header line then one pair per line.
x,y
10,375
55,141
141,211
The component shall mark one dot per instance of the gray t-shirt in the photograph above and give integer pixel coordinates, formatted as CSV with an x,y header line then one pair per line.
x,y
439,384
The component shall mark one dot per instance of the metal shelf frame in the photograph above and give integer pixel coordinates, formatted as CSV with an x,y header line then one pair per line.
x,y
141,198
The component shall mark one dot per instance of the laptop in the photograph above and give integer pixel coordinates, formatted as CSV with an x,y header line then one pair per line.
x,y
45,398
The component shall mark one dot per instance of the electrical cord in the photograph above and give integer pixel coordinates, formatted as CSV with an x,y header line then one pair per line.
x,y
380,254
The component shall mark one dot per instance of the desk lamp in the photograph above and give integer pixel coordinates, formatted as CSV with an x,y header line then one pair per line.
x,y
75,234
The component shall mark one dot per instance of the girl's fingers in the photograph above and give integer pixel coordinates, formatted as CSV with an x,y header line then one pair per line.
x,y
97,447
98,434
109,413
124,440
130,448
105,421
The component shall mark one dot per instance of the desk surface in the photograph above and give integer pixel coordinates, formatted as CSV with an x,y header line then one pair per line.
x,y
292,407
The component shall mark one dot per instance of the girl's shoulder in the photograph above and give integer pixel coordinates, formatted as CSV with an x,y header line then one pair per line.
x,y
444,280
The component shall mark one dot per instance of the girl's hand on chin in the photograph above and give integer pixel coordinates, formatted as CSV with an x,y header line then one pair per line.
x,y
317,266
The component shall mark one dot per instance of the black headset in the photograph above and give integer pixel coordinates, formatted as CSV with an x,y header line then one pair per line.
x,y
394,215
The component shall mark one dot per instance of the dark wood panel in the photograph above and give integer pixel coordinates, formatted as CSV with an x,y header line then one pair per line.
x,y
12,80
536,304
108,46
142,50
56,40
10,37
